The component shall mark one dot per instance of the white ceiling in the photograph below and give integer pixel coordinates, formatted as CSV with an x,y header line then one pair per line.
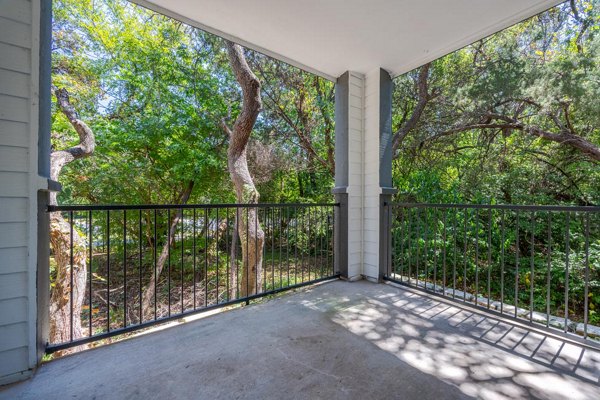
x,y
329,37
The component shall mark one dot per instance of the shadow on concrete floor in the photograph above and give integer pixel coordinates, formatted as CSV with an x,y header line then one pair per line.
x,y
337,340
482,355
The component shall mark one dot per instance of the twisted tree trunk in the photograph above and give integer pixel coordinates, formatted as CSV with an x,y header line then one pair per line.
x,y
250,233
68,291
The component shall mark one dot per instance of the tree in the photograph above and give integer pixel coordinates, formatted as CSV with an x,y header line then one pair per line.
x,y
250,232
298,111
157,101
69,248
410,119
155,91
148,293
508,118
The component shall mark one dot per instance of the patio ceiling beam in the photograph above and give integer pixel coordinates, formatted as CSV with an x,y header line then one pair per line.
x,y
329,37
232,38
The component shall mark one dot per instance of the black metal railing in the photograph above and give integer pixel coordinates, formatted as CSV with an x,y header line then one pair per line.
x,y
153,263
538,264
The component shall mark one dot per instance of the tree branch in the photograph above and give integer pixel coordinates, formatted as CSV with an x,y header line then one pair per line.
x,y
568,139
305,141
564,137
87,141
424,97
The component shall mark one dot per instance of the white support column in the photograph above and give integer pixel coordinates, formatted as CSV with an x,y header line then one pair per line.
x,y
363,167
371,186
377,173
349,128
355,175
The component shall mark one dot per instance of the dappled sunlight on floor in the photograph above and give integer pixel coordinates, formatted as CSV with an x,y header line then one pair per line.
x,y
481,355
334,341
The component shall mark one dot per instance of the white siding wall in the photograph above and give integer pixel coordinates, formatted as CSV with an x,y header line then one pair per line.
x,y
19,49
355,174
371,176
363,186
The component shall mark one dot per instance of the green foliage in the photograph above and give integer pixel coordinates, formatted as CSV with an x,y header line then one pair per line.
x,y
542,72
156,92
488,252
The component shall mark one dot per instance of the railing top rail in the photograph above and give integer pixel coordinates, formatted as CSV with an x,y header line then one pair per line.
x,y
514,207
120,207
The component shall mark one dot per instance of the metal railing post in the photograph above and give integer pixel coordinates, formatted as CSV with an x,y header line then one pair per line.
x,y
340,233
385,232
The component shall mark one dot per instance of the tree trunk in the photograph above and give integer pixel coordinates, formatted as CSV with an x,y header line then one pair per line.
x,y
61,307
424,97
329,126
148,294
68,292
250,233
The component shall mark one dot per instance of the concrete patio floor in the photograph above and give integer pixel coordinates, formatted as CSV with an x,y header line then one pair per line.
x,y
337,340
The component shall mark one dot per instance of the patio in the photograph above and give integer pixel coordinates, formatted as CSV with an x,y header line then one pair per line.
x,y
333,340
349,338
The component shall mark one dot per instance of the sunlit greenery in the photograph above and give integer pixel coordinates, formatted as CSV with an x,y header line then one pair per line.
x,y
156,93
475,143
543,72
